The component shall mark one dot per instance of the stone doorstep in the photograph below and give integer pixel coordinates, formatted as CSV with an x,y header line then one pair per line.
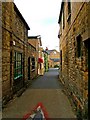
x,y
6,99
20,92
29,83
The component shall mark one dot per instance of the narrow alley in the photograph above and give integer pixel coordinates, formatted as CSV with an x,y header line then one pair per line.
x,y
46,89
45,59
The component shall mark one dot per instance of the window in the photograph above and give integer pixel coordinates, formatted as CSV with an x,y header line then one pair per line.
x,y
69,7
63,19
33,63
61,59
40,66
69,12
78,46
17,65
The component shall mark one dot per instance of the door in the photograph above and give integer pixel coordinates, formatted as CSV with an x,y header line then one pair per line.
x,y
29,68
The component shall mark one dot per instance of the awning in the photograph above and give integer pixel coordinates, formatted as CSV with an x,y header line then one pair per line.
x,y
40,60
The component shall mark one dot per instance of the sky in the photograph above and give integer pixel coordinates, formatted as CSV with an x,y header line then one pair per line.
x,y
42,17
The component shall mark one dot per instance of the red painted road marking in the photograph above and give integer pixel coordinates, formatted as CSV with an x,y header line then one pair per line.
x,y
36,108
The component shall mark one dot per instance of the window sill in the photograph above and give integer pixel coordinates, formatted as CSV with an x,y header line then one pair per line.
x,y
32,70
17,77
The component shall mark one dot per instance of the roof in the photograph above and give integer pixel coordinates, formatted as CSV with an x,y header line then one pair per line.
x,y
36,37
33,37
55,59
45,51
20,15
62,6
49,51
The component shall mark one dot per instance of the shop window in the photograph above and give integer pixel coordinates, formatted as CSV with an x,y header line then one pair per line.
x,y
33,63
78,46
18,65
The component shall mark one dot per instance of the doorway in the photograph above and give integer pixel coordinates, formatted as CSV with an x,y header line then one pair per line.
x,y
29,68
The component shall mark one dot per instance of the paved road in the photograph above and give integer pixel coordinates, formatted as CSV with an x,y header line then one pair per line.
x,y
45,89
48,81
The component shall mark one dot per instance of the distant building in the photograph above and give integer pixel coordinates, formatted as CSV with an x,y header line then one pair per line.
x,y
53,58
74,21
39,57
34,41
32,62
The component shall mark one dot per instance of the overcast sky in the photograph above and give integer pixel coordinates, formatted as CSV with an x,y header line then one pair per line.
x,y
42,18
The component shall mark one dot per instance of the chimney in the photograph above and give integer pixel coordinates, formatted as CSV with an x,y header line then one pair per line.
x,y
46,48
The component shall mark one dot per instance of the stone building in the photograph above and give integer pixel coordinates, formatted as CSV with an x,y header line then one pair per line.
x,y
41,61
74,21
14,50
36,42
32,68
53,58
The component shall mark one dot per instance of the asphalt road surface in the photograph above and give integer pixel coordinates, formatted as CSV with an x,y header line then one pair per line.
x,y
45,89
48,81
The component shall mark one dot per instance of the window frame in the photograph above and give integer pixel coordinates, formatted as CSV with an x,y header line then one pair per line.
x,y
63,19
18,66
33,63
79,46
69,7
69,12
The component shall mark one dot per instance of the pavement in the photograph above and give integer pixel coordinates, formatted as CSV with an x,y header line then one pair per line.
x,y
45,89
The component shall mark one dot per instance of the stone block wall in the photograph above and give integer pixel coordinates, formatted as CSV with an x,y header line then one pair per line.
x,y
1,51
54,54
14,39
32,53
6,37
74,72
